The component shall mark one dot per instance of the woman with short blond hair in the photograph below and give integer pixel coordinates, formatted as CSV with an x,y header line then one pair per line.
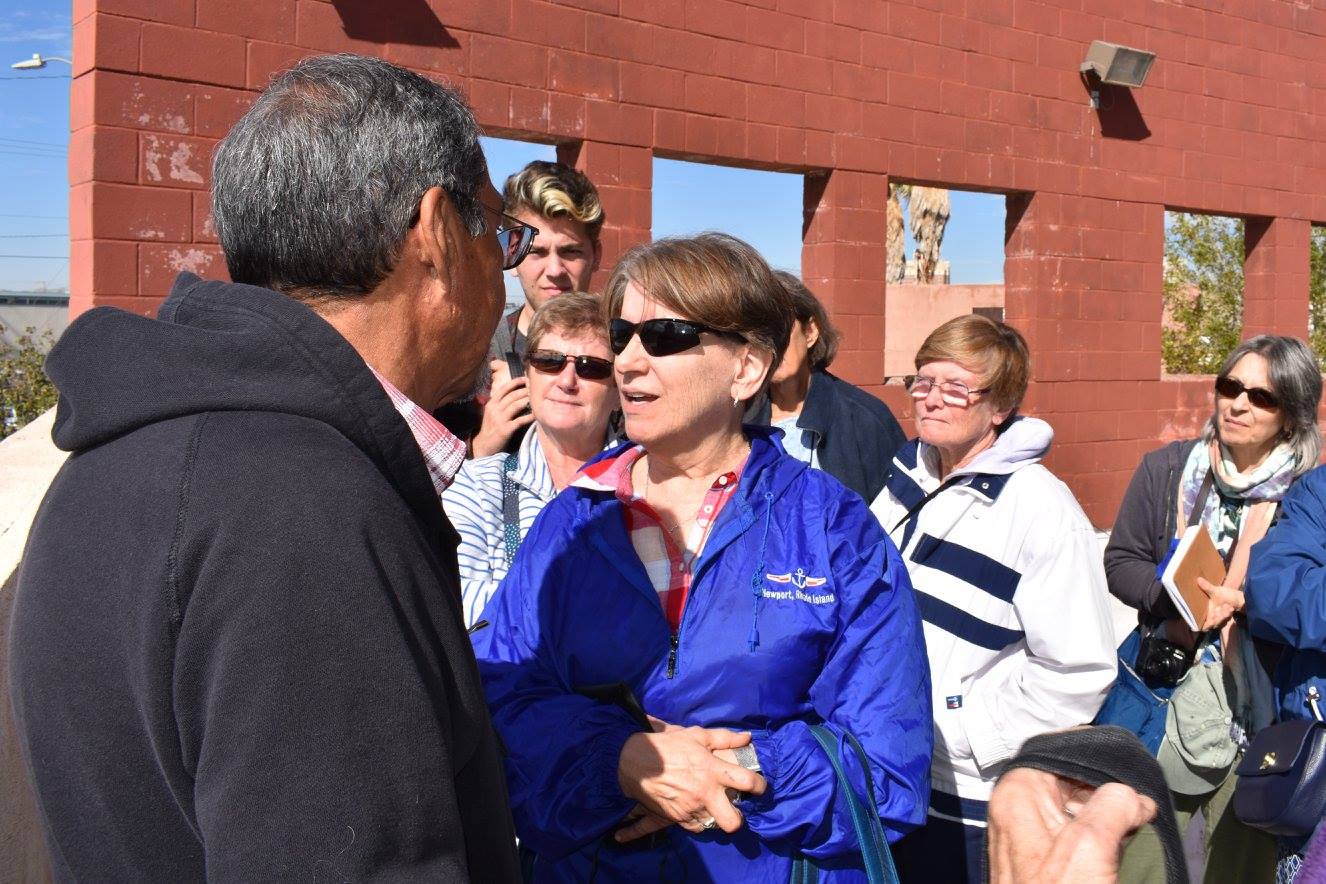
x,y
1008,578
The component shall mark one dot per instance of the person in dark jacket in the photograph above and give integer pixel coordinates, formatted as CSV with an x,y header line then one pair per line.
x,y
1262,435
701,576
1287,609
826,422
238,651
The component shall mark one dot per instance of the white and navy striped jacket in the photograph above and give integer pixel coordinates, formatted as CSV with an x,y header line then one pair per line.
x,y
1010,584
473,503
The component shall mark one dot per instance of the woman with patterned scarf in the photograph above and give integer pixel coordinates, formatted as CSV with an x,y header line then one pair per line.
x,y
1261,437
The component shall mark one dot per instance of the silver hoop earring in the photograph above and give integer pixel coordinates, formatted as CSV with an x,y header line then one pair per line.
x,y
735,402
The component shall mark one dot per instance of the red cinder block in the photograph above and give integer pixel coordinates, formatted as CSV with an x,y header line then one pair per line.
x,y
587,75
97,266
217,109
608,7
204,229
670,131
509,61
807,73
158,265
718,18
530,111
136,102
142,306
175,12
770,104
566,115
175,160
318,25
119,211
106,41
716,97
860,83
701,135
491,103
659,12
824,40
747,64
653,86
887,52
272,20
907,90
839,115
776,30
445,63
266,60
101,153
194,55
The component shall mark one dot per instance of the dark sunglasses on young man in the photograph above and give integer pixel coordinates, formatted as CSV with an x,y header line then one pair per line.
x,y
588,368
514,237
661,337
1262,398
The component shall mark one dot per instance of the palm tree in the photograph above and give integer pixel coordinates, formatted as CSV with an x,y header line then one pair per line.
x,y
928,211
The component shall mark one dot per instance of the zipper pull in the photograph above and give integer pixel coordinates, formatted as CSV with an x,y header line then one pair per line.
x,y
1313,696
672,656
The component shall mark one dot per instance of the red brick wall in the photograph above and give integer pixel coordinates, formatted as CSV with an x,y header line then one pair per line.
x,y
980,95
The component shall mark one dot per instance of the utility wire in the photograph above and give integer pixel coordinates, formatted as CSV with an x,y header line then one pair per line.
x,y
51,257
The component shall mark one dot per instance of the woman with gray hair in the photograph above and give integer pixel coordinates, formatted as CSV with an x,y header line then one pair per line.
x,y
1261,436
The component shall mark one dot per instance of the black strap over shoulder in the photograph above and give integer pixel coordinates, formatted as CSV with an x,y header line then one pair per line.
x,y
1109,754
1200,504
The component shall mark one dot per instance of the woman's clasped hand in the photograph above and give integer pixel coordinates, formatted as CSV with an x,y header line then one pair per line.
x,y
686,776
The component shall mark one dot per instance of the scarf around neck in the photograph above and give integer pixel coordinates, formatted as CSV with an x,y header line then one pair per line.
x,y
1224,512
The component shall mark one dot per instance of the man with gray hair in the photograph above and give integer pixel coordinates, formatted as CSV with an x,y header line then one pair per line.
x,y
238,648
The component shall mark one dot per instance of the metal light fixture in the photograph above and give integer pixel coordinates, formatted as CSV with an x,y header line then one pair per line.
x,y
1118,65
37,62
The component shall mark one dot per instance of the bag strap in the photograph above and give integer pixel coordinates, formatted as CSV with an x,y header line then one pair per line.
x,y
1109,754
1200,503
875,854
510,509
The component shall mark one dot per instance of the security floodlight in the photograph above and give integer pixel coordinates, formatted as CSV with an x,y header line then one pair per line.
x,y
1118,65
37,62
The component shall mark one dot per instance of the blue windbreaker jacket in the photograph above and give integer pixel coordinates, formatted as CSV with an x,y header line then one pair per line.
x,y
752,653
1286,594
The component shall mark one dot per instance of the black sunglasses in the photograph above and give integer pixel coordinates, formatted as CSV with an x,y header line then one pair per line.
x,y
1231,388
661,337
589,368
514,237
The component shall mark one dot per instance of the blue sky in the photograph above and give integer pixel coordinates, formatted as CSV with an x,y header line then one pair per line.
x,y
34,140
762,207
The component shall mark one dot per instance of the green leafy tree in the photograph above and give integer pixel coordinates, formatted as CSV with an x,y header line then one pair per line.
x,y
25,391
1317,296
1203,296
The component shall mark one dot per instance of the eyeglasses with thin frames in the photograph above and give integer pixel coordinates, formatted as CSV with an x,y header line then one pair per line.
x,y
953,393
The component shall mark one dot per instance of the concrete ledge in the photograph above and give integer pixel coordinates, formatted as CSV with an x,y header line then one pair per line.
x,y
29,461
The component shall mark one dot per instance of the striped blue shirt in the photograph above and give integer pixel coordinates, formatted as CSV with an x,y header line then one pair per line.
x,y
473,503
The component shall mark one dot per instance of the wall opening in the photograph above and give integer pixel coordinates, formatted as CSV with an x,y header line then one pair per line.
x,y
945,258
1317,294
1202,304
762,208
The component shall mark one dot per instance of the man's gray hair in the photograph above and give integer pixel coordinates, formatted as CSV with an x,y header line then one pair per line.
x,y
1296,381
315,188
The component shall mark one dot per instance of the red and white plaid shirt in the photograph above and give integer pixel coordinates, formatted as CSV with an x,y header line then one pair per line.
x,y
667,564
443,453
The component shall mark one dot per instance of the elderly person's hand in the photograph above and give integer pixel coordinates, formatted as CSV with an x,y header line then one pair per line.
x,y
506,412
1044,828
682,776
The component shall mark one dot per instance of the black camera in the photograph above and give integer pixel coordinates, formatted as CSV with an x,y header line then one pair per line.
x,y
1161,660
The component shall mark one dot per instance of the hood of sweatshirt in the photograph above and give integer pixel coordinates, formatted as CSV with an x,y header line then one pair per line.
x,y
214,346
1025,441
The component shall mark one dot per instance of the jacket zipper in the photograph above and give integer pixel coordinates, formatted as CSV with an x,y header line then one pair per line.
x,y
672,653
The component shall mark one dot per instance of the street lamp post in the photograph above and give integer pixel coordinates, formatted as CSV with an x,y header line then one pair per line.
x,y
37,62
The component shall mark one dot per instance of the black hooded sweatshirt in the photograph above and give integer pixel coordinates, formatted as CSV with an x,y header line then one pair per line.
x,y
237,649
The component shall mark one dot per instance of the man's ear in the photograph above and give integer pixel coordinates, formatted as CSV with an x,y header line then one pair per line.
x,y
433,237
755,364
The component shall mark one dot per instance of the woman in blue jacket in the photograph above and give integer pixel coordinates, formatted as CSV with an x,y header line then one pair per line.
x,y
704,578
1285,598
